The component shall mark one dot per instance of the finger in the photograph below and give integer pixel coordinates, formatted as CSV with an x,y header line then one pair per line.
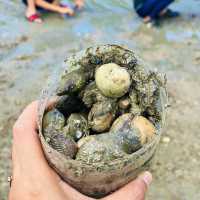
x,y
28,117
30,168
27,152
133,191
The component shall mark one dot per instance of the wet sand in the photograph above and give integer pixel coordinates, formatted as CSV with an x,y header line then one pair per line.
x,y
30,52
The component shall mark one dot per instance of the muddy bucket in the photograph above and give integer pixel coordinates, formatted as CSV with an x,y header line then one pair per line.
x,y
98,179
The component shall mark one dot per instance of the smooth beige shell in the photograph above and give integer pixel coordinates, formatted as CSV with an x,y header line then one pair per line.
x,y
112,80
145,126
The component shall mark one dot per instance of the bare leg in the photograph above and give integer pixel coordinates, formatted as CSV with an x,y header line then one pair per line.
x,y
163,12
55,8
146,19
56,2
31,10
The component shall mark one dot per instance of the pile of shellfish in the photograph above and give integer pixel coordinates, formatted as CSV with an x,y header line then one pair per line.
x,y
107,107
100,118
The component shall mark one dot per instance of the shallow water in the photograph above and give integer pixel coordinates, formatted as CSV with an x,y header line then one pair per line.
x,y
101,22
100,19
30,52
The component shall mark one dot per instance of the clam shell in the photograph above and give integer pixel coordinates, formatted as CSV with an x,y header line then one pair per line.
x,y
99,179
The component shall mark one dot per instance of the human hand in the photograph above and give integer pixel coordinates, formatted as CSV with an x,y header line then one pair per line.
x,y
34,179
79,4
66,10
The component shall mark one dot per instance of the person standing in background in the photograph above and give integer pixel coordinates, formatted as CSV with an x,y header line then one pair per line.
x,y
50,5
151,10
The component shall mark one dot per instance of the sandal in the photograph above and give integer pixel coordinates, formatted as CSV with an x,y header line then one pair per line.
x,y
34,18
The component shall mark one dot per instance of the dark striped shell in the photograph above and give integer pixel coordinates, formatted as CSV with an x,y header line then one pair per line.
x,y
63,145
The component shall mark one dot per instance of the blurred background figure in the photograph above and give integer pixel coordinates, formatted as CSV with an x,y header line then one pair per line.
x,y
151,10
50,5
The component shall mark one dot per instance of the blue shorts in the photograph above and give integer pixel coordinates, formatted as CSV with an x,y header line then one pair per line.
x,y
153,8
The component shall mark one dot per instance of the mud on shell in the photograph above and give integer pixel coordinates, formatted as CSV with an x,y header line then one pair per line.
x,y
119,155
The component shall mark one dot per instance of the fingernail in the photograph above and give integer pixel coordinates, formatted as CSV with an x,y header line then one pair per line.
x,y
146,177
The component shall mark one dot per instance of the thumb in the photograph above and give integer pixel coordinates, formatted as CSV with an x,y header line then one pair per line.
x,y
27,154
135,190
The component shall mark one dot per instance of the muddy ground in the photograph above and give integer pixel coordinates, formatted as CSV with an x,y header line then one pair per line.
x,y
30,52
